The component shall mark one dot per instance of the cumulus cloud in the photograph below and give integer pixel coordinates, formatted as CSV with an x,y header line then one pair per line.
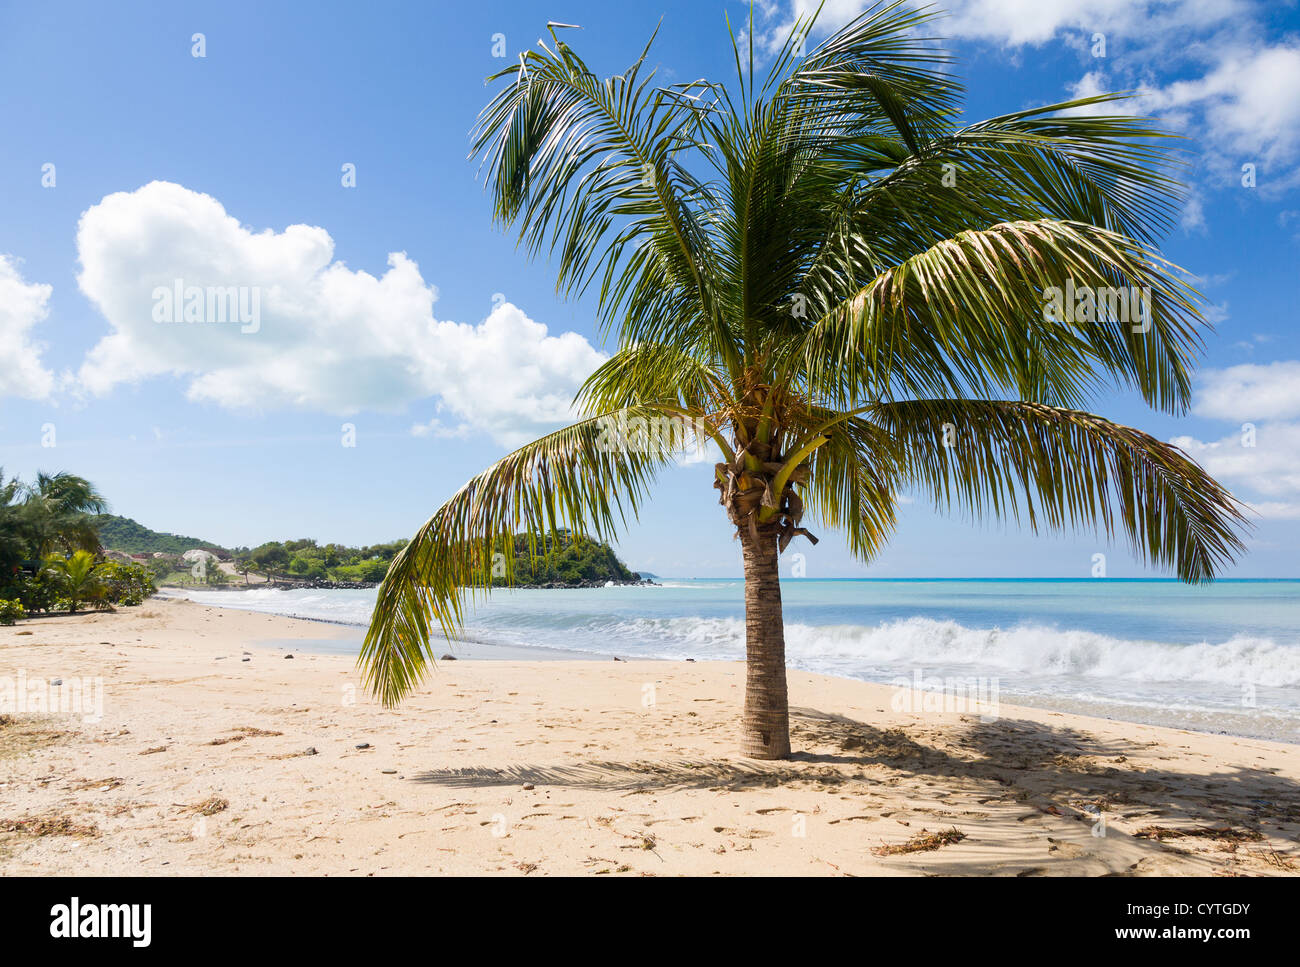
x,y
1247,101
1262,466
1033,22
1236,86
1265,391
326,337
23,305
1018,23
1265,460
1262,461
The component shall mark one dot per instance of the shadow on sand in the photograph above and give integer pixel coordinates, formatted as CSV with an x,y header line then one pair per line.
x,y
1008,758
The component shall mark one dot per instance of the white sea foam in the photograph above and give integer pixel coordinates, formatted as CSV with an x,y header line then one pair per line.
x,y
1029,649
1232,665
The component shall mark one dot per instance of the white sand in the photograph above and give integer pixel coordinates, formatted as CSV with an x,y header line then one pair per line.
x,y
546,767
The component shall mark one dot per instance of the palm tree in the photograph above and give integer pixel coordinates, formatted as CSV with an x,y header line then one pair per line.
x,y
75,578
59,508
845,292
13,535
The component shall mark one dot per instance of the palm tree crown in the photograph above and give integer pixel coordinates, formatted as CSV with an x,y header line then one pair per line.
x,y
848,294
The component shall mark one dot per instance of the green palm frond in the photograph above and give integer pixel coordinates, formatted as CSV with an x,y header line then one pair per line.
x,y
1067,468
652,373
1045,162
590,169
967,317
772,155
851,485
582,480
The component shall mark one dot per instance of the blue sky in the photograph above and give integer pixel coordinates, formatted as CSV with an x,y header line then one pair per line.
x,y
396,307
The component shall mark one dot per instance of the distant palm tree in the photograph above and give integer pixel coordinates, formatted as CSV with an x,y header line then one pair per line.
x,y
58,509
848,294
76,579
13,545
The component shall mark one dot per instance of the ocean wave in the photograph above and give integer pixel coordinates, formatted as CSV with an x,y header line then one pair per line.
x,y
1025,649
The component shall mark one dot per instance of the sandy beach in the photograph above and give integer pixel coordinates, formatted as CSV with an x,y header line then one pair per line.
x,y
218,754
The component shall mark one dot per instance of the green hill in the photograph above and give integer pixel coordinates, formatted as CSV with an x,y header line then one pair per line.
x,y
565,562
124,534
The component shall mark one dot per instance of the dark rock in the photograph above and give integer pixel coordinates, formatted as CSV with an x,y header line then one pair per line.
x,y
447,658
363,745
288,656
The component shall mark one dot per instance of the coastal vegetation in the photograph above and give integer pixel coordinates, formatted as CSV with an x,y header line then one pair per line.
x,y
560,559
849,295
304,560
50,554
61,552
125,535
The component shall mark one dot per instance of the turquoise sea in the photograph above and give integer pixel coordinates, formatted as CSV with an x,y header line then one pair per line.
x,y
1222,658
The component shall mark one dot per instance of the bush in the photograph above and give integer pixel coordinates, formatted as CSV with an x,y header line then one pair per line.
x,y
371,571
127,584
11,611
38,594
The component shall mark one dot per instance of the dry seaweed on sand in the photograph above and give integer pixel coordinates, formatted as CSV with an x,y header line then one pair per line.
x,y
1224,834
210,806
51,824
923,842
18,737
245,732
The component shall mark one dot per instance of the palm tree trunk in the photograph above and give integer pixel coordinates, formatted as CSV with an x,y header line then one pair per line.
x,y
765,728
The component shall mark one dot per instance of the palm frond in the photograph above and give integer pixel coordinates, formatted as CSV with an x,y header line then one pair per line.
x,y
967,317
1067,468
579,480
655,374
590,168
851,485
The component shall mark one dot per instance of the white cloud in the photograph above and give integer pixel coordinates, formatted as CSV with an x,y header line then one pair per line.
x,y
1277,510
1248,102
1250,392
1261,460
1236,95
329,338
1266,462
1018,23
438,430
1192,218
22,306
1033,22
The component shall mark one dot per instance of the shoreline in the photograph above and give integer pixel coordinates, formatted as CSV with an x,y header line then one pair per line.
x,y
216,755
1042,702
